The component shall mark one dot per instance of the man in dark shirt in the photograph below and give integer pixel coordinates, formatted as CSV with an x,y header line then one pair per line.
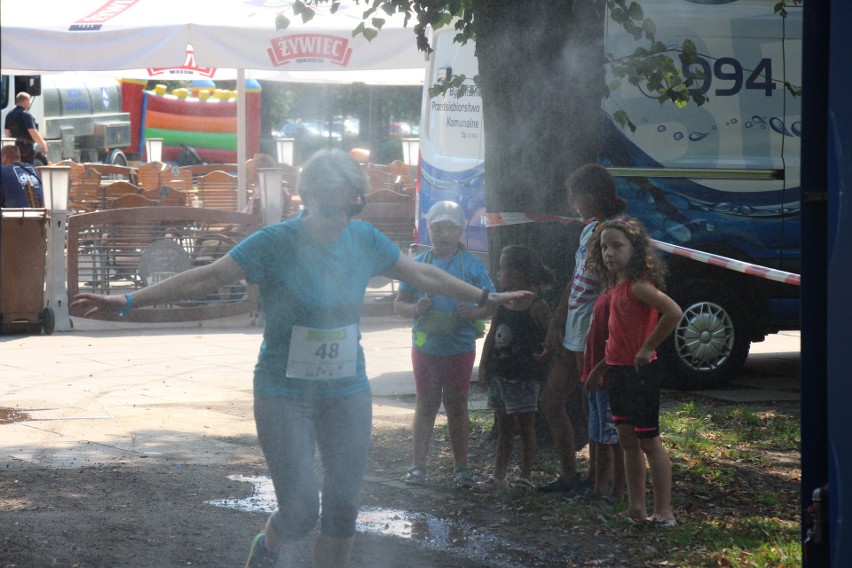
x,y
14,176
21,126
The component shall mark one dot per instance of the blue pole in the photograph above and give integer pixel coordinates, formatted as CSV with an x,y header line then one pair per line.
x,y
815,78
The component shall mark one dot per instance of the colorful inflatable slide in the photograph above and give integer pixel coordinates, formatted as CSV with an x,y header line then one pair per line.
x,y
203,118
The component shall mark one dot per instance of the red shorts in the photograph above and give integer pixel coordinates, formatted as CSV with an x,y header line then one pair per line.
x,y
433,372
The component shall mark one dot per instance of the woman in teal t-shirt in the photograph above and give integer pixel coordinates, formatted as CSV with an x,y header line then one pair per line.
x,y
310,385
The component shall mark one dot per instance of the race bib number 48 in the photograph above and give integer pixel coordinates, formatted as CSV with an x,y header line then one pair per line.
x,y
323,353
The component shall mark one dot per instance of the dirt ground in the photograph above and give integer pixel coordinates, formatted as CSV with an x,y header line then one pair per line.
x,y
158,514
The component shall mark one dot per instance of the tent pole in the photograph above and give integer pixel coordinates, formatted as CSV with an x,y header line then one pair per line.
x,y
241,139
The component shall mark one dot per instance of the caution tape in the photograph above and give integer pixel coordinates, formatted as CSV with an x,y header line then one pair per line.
x,y
731,264
504,219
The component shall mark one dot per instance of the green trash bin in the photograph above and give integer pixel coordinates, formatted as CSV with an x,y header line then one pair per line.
x,y
23,249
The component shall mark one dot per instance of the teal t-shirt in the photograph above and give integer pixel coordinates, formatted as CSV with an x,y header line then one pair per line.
x,y
442,331
310,284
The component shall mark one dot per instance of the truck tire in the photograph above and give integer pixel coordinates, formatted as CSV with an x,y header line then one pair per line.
x,y
116,158
710,343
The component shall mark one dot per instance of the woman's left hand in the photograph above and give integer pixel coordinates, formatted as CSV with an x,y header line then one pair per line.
x,y
643,357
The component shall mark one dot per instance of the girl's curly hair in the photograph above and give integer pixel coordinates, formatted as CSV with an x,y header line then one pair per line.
x,y
528,262
645,264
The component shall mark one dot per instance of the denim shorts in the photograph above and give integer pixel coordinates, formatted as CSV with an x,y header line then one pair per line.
x,y
290,430
601,425
512,397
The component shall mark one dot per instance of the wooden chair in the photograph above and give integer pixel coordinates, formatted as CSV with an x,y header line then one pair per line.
x,y
130,200
149,175
388,195
178,178
119,189
115,172
77,170
379,178
167,195
85,194
218,190
199,170
395,220
32,195
402,178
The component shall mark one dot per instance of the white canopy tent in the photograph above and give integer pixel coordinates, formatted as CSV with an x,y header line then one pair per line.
x,y
149,35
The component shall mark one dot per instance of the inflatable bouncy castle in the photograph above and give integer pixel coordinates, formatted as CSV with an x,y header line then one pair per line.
x,y
203,118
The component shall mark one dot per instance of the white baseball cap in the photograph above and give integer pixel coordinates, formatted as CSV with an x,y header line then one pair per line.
x,y
446,211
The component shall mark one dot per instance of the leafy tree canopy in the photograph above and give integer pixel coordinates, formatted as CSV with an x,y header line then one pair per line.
x,y
653,67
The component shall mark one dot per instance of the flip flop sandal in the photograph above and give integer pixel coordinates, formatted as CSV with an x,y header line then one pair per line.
x,y
662,523
415,475
463,477
490,484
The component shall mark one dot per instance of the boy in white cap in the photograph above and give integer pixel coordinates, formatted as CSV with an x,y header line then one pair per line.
x,y
443,342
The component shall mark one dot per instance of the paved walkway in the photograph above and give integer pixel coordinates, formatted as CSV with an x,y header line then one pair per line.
x,y
111,392
116,392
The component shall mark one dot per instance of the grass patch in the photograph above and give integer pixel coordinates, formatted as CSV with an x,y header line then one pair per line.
x,y
735,490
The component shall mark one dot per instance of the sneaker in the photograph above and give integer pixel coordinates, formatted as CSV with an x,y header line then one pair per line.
x,y
259,555
490,484
558,485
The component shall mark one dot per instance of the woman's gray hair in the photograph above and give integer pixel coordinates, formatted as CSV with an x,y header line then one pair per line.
x,y
332,171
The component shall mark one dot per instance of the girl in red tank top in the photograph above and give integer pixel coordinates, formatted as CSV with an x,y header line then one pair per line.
x,y
641,316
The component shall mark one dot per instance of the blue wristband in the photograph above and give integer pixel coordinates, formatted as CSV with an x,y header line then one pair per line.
x,y
123,313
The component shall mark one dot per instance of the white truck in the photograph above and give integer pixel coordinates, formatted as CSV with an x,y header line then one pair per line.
x,y
79,118
721,178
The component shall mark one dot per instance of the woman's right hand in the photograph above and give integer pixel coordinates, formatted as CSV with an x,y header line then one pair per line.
x,y
93,303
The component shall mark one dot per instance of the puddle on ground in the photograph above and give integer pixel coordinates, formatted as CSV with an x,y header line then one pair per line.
x,y
424,531
10,415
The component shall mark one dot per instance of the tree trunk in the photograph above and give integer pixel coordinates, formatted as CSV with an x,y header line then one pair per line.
x,y
541,74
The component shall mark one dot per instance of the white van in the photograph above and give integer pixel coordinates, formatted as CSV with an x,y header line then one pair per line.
x,y
722,177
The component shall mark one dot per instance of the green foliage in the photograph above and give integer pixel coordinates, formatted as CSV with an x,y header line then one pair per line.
x,y
654,68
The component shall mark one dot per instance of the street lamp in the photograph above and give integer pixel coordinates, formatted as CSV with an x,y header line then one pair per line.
x,y
285,150
271,195
55,182
410,151
154,149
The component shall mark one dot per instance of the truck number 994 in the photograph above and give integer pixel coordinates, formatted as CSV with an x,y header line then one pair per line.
x,y
730,71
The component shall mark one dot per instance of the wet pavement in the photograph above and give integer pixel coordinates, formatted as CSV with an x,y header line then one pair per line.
x,y
114,393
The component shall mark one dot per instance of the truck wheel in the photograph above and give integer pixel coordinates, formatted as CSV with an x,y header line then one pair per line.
x,y
116,158
47,321
710,343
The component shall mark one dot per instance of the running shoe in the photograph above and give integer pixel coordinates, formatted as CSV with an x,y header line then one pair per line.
x,y
259,555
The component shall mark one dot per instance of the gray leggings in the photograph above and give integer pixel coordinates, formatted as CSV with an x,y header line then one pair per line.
x,y
289,431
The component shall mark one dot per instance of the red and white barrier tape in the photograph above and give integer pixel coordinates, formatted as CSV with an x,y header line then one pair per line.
x,y
503,219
